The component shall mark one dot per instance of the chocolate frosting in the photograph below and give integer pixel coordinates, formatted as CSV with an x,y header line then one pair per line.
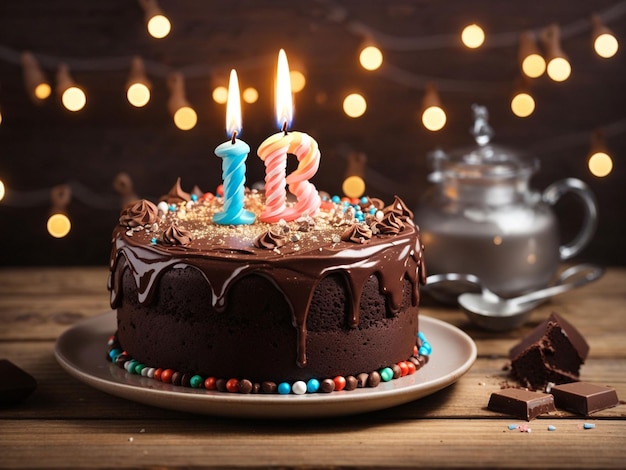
x,y
400,208
391,224
225,254
175,235
357,233
139,213
270,239
176,194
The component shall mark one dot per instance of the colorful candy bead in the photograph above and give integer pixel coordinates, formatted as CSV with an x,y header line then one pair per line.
x,y
196,381
284,388
312,385
386,374
210,383
299,387
232,385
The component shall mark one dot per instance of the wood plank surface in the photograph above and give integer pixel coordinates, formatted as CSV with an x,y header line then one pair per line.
x,y
67,424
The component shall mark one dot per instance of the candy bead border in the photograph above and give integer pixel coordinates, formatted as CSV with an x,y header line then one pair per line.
x,y
419,358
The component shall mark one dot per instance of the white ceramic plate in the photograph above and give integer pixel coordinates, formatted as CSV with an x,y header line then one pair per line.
x,y
81,351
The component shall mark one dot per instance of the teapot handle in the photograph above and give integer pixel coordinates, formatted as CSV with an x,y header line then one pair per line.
x,y
554,192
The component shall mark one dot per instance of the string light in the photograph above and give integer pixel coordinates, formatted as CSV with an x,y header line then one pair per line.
x,y
138,86
158,24
522,102
531,61
600,163
37,86
558,67
220,94
59,224
2,190
250,95
298,80
72,97
433,116
604,41
185,117
473,36
354,105
353,185
370,57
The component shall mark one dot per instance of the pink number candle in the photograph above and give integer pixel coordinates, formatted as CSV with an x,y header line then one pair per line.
x,y
233,154
273,151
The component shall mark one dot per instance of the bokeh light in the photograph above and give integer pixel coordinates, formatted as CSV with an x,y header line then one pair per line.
x,y
138,94
354,105
473,36
59,225
371,58
159,26
600,164
185,118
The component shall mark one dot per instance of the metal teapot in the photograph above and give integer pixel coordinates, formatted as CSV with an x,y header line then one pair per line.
x,y
482,218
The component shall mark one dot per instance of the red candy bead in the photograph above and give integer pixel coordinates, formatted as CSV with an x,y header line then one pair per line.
x,y
220,190
415,350
232,385
207,197
411,367
340,383
166,376
404,369
157,374
210,383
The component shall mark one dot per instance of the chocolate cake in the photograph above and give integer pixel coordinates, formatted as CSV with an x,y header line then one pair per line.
x,y
326,296
552,353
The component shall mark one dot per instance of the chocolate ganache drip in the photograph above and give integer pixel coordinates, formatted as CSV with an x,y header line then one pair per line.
x,y
224,255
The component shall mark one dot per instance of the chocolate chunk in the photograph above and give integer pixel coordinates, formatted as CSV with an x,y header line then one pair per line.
x,y
552,352
584,398
522,404
16,385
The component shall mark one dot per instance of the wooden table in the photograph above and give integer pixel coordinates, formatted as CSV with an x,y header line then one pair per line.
x,y
68,424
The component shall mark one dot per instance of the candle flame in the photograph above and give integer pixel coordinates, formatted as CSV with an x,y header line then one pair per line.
x,y
284,103
233,106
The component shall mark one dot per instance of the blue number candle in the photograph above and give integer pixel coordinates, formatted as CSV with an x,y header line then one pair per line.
x,y
233,154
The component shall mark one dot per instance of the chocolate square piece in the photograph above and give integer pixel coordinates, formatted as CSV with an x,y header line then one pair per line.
x,y
16,385
552,352
521,403
584,398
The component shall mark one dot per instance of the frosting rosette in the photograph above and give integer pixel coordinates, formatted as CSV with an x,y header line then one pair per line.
x,y
175,235
391,224
400,208
139,213
357,233
270,239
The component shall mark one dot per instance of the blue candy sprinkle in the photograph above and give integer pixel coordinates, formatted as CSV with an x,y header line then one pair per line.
x,y
363,200
284,388
421,336
427,347
589,426
512,426
194,197
372,210
313,385
172,207
153,240
336,199
551,428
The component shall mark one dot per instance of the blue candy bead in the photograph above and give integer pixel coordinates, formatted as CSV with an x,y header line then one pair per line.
x,y
113,353
284,388
336,199
363,200
427,347
386,374
194,197
313,385
421,336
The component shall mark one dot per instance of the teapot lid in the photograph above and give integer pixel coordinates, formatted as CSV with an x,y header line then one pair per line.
x,y
484,160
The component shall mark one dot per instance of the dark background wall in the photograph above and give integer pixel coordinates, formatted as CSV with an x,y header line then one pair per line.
x,y
42,146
